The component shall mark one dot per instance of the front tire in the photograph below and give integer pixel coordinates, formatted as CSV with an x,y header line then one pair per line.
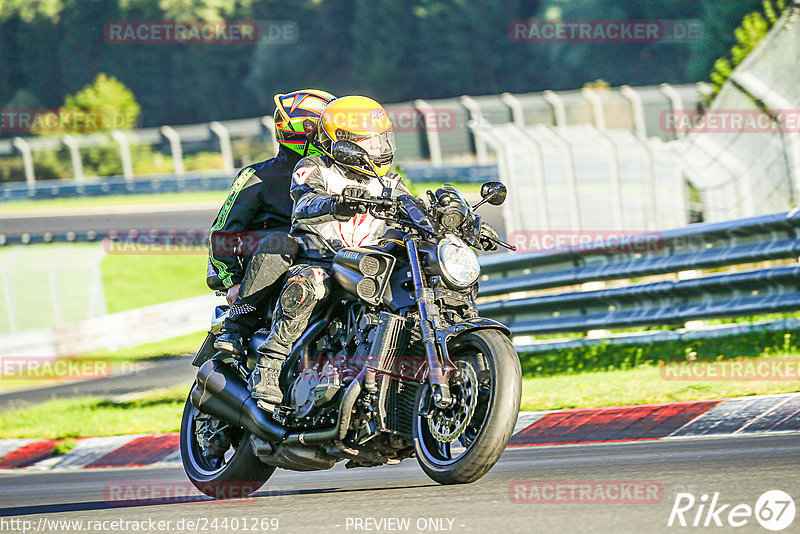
x,y
474,452
236,474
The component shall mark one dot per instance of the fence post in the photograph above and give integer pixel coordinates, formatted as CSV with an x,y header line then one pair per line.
x,y
24,148
224,136
175,147
637,110
675,102
124,153
55,293
478,121
434,144
613,172
512,220
594,100
568,162
559,111
96,306
8,288
649,169
74,155
515,105
539,184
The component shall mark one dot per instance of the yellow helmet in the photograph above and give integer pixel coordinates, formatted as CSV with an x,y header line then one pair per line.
x,y
363,121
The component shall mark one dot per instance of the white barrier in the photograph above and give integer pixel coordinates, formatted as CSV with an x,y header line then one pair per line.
x,y
114,331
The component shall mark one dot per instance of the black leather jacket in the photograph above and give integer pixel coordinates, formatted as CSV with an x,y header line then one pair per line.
x,y
258,200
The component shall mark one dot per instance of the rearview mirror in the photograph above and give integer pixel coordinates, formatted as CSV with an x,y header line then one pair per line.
x,y
349,153
494,193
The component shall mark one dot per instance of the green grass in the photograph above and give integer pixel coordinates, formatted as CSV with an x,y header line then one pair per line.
x,y
640,385
161,411
132,281
179,346
606,357
96,417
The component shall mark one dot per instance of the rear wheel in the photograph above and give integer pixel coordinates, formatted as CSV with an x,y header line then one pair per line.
x,y
217,458
462,443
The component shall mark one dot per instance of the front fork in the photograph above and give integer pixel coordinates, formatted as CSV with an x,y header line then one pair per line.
x,y
439,363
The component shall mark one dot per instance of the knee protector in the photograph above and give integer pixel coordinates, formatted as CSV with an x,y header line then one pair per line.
x,y
298,297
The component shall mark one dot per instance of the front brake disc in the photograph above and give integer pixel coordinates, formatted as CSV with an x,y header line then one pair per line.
x,y
449,423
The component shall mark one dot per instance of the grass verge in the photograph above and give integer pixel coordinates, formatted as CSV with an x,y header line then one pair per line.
x,y
161,411
131,281
179,346
640,385
96,417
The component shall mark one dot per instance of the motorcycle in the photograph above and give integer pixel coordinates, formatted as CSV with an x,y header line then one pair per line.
x,y
398,364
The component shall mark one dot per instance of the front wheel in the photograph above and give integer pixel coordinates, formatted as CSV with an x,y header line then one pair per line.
x,y
217,458
460,444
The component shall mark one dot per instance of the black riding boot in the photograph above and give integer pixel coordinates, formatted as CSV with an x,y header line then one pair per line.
x,y
306,287
269,262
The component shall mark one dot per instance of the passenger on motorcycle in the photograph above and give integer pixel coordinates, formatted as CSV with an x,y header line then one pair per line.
x,y
249,246
325,223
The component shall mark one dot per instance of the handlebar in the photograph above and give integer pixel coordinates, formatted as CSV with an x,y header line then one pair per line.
x,y
375,201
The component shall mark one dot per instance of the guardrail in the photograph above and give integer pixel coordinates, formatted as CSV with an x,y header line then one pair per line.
x,y
580,290
211,181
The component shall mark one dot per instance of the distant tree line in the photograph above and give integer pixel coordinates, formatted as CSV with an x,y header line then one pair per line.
x,y
392,50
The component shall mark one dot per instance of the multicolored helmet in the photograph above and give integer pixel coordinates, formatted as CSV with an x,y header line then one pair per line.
x,y
291,112
363,121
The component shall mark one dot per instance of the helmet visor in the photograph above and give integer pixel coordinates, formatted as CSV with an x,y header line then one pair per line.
x,y
379,146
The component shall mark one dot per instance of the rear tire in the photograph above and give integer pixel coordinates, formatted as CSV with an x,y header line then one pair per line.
x,y
496,363
238,474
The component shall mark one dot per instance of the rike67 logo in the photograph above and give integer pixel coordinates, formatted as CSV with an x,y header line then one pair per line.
x,y
774,510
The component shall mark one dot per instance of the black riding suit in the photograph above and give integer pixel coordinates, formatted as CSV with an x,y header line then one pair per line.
x,y
249,242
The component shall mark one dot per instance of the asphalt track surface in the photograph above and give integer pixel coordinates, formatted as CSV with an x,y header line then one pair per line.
x,y
150,374
740,469
182,217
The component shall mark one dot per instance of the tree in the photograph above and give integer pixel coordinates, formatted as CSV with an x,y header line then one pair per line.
x,y
108,98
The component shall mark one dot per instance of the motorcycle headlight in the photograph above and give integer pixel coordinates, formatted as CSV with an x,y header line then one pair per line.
x,y
459,264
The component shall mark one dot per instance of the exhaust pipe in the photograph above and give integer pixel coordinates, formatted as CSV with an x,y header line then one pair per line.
x,y
222,393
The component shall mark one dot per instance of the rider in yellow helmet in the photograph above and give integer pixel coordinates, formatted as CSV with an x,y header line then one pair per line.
x,y
325,222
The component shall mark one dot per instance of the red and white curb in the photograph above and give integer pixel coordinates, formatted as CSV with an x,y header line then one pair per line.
x,y
676,420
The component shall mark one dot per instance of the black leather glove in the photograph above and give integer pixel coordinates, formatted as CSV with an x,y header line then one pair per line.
x,y
344,209
487,234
